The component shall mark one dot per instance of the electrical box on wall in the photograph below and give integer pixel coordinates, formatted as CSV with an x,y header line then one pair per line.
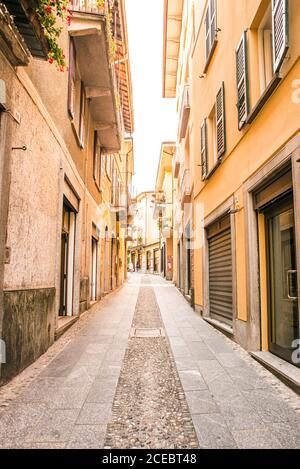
x,y
2,94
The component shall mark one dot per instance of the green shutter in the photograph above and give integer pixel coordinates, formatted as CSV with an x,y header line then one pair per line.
x,y
242,81
210,27
204,149
220,122
280,25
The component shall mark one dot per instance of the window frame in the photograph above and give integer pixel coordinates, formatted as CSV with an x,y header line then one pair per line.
x,y
209,36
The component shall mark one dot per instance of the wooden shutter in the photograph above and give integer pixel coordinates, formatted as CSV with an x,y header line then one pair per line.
x,y
220,122
82,114
210,27
204,149
95,155
71,83
213,22
207,29
242,81
280,32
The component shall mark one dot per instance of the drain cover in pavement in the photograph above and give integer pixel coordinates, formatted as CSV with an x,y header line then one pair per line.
x,y
142,332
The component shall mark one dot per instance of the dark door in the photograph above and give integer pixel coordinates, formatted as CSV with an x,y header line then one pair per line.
x,y
283,309
179,265
64,274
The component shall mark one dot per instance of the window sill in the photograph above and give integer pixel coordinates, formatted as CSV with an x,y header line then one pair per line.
x,y
213,170
208,60
264,98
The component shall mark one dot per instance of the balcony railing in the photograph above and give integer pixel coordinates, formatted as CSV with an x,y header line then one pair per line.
x,y
184,111
186,186
88,6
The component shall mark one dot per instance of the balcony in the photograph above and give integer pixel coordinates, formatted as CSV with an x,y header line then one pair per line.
x,y
87,6
177,163
185,187
95,62
184,111
25,18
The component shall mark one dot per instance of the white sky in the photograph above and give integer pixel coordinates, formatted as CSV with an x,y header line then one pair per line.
x,y
155,117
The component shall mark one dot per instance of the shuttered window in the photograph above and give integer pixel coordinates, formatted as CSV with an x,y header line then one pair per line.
x,y
220,122
204,162
242,81
72,78
210,30
82,115
280,32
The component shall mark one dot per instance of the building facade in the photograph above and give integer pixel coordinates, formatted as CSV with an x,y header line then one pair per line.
x,y
234,67
144,254
164,189
66,152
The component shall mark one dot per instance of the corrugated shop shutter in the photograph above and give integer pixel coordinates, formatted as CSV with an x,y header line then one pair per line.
x,y
220,276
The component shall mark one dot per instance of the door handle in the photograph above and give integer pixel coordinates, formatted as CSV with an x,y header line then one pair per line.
x,y
290,274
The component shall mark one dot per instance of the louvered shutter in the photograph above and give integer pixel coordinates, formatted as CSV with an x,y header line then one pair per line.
x,y
204,149
210,27
280,32
207,30
213,22
82,115
220,122
95,155
71,83
242,81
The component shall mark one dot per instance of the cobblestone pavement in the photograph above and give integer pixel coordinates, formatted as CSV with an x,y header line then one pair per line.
x,y
105,383
150,409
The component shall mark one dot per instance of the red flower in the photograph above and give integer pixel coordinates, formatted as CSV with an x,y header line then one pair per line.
x,y
69,20
48,9
50,60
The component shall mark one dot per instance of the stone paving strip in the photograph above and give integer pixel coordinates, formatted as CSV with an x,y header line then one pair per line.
x,y
233,400
149,409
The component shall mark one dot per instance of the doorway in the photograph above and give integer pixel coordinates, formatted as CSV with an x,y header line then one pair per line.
x,y
283,308
67,261
94,269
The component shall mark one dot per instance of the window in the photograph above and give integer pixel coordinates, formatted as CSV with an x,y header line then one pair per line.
x,y
213,136
210,31
265,52
242,81
280,27
76,96
97,160
271,27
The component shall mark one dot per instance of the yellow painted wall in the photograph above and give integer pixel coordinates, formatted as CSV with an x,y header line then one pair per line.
x,y
249,149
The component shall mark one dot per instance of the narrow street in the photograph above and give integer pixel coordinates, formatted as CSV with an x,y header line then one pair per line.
x,y
145,371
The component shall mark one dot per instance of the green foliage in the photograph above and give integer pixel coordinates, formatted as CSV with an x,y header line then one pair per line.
x,y
49,12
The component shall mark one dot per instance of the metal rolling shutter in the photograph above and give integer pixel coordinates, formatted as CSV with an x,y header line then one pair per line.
x,y
220,276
